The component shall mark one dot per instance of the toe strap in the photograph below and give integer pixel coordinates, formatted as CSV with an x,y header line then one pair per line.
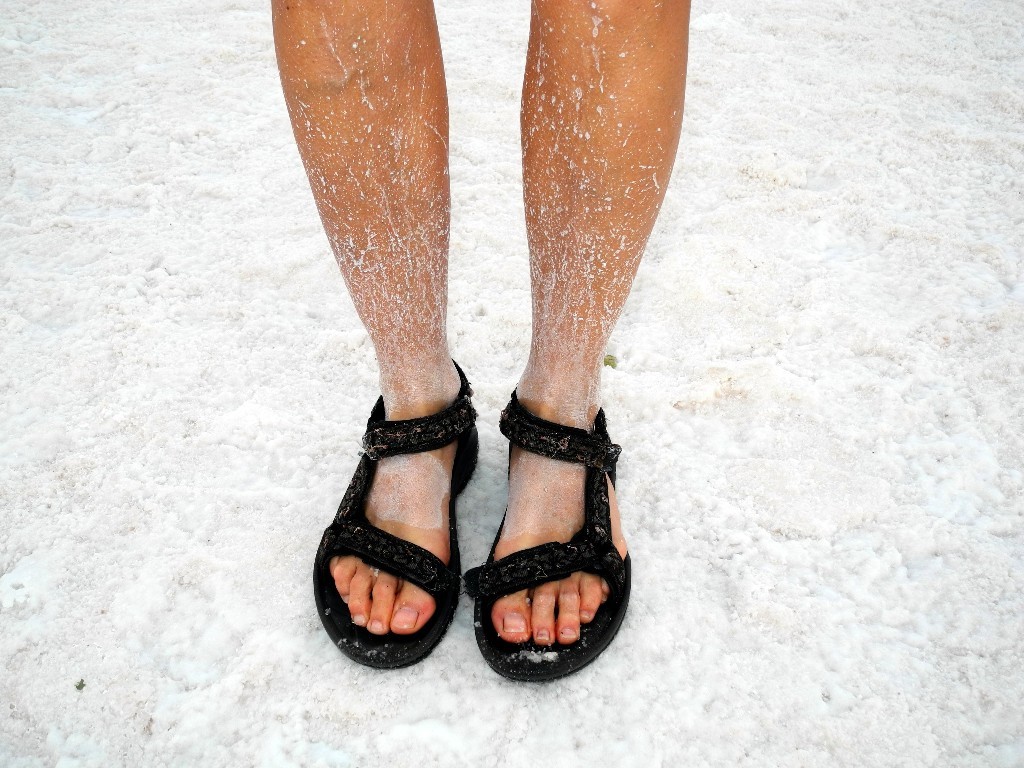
x,y
547,562
394,555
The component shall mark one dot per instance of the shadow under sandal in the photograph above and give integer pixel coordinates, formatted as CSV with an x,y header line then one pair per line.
x,y
352,534
591,550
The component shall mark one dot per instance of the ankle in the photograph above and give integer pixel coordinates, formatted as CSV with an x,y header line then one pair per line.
x,y
551,398
421,389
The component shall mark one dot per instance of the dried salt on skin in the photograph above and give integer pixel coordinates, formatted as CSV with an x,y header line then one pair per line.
x,y
372,134
558,483
393,498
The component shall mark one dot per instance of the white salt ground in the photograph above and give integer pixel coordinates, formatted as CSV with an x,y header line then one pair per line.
x,y
820,393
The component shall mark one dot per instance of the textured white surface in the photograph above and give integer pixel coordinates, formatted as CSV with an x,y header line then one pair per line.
x,y
820,393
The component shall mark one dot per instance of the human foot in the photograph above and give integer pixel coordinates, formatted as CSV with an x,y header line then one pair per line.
x,y
353,546
408,499
539,582
546,504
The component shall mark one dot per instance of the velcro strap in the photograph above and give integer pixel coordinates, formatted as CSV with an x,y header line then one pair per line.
x,y
392,554
557,441
546,562
390,438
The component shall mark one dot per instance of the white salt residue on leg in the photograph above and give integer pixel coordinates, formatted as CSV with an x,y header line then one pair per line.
x,y
592,131
378,170
397,499
558,483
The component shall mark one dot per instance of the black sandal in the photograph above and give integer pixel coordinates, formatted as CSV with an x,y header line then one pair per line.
x,y
352,533
590,550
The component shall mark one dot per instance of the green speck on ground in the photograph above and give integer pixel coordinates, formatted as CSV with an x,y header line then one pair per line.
x,y
80,685
610,361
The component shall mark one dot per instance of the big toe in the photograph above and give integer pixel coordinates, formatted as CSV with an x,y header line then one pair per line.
x,y
413,608
510,616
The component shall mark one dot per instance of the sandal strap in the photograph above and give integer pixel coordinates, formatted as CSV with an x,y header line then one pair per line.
x,y
558,441
426,433
547,562
396,556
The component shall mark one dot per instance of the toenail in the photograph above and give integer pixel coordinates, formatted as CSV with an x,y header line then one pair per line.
x,y
514,622
568,634
359,620
405,618
543,636
376,625
586,616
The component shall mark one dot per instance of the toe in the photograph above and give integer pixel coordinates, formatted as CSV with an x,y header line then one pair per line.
x,y
590,596
383,603
569,609
342,571
413,608
510,616
359,594
542,613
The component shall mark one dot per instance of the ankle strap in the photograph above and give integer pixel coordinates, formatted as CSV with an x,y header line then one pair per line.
x,y
391,438
558,441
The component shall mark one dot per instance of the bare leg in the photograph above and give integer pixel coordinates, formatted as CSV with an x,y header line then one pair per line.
x,y
601,114
365,89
